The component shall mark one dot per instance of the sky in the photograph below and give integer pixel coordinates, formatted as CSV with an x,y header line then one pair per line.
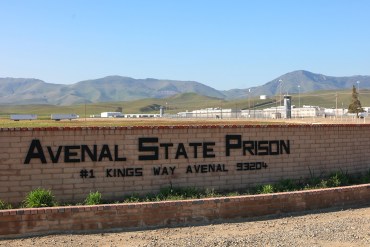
x,y
224,44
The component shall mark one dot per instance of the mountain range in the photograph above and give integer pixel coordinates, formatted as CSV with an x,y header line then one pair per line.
x,y
22,91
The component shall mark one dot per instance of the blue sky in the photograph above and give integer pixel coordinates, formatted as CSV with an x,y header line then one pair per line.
x,y
224,44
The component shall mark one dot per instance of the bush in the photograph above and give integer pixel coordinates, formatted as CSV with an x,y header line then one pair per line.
x,y
265,189
39,198
286,185
4,205
338,179
93,198
366,177
132,198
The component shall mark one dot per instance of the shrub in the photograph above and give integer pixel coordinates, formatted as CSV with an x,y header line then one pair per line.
x,y
39,198
210,192
4,205
338,179
366,177
132,198
286,185
265,189
93,198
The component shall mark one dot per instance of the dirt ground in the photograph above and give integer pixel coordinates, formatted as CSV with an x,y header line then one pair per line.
x,y
333,227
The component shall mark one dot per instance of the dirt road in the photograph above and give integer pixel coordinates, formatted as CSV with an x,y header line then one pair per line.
x,y
349,227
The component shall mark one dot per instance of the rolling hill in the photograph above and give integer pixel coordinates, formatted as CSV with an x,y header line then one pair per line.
x,y
108,89
24,91
308,82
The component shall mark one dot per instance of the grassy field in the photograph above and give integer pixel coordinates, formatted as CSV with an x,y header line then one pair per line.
x,y
184,102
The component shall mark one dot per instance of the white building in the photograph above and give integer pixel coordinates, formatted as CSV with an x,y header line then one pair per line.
x,y
211,113
302,112
140,115
111,114
308,111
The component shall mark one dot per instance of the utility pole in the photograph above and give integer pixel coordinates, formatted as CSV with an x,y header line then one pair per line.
x,y
249,103
299,95
336,104
281,85
358,89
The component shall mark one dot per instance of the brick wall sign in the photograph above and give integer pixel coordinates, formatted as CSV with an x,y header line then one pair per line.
x,y
119,161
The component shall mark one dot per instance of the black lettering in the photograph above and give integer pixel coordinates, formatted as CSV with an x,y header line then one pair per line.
x,y
130,172
93,155
263,148
68,154
120,173
172,169
153,149
138,172
258,165
239,166
164,171
108,173
252,166
203,168
208,152
219,168
195,145
105,153
230,143
224,169
197,168
55,158
166,145
31,154
248,146
284,145
116,158
156,170
189,170
181,151
272,150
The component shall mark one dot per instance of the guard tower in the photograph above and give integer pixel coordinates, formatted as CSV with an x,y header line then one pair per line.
x,y
288,106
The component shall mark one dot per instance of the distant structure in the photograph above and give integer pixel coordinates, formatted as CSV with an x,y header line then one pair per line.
x,y
140,115
305,111
211,113
288,106
161,111
18,117
111,114
58,117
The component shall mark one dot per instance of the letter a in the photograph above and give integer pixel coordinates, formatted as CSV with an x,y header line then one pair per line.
x,y
35,144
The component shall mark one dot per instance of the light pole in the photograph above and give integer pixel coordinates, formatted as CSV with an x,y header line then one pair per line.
x,y
249,103
358,88
281,85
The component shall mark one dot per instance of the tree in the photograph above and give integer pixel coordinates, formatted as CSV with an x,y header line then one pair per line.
x,y
355,106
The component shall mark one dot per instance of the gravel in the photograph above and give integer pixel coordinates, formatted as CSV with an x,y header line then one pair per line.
x,y
349,227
